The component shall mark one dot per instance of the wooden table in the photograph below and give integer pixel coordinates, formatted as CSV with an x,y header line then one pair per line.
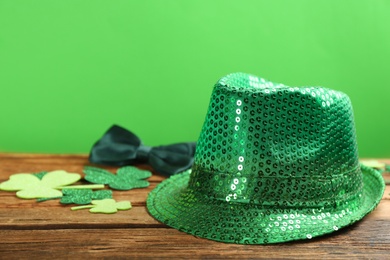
x,y
29,229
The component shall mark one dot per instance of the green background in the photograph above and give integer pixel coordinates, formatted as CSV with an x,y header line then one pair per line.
x,y
70,69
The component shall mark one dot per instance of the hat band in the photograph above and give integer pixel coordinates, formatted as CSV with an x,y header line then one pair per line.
x,y
288,191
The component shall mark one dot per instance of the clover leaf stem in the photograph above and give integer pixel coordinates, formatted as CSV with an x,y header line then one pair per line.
x,y
87,186
82,207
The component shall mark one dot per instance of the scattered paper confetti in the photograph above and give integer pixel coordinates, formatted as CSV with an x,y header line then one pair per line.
x,y
107,206
126,178
30,186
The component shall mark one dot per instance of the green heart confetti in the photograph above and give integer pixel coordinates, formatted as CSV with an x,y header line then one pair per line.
x,y
30,186
107,206
126,178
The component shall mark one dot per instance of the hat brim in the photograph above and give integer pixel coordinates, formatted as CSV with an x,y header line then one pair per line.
x,y
172,203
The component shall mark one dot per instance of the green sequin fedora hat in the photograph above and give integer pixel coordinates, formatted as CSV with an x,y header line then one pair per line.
x,y
272,164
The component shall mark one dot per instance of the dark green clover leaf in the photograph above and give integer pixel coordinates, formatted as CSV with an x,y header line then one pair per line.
x,y
77,196
126,178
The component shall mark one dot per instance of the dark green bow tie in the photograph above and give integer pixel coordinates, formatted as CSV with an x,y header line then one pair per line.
x,y
118,147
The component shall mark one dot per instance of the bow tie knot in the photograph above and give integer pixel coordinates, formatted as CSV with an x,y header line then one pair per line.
x,y
142,154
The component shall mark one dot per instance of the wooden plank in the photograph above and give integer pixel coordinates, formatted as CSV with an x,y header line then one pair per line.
x,y
55,218
45,230
58,216
170,243
44,217
16,213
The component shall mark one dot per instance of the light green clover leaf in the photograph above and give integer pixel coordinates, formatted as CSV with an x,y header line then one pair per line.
x,y
108,206
373,164
30,186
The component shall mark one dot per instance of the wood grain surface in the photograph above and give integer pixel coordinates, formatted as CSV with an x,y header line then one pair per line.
x,y
49,230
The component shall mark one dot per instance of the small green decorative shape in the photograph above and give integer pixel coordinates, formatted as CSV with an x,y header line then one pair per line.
x,y
126,178
40,175
107,206
29,186
373,164
77,196
84,187
81,187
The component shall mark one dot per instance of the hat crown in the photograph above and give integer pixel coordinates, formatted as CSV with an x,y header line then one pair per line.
x,y
274,145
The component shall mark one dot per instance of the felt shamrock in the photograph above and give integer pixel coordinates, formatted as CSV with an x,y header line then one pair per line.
x,y
105,206
80,196
380,166
373,164
84,196
126,178
30,186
